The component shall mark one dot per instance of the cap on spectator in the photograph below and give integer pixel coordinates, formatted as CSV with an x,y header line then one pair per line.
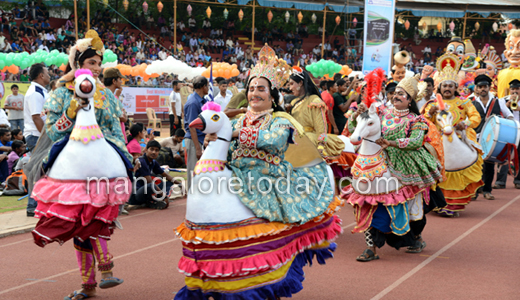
x,y
113,73
482,79
515,83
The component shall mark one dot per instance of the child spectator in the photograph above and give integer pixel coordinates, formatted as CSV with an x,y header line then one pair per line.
x,y
14,103
137,133
18,148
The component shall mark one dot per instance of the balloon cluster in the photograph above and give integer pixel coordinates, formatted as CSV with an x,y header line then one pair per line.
x,y
109,56
322,67
24,60
222,70
138,70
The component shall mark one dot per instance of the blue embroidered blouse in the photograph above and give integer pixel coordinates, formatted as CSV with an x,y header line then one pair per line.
x,y
271,187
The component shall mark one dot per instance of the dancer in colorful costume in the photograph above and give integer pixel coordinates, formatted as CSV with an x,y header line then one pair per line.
x,y
83,122
251,242
463,156
393,172
310,111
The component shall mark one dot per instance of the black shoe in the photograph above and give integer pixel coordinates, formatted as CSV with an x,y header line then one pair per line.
x,y
30,213
499,187
157,204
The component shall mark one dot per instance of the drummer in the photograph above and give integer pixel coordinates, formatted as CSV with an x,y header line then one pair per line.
x,y
488,105
514,91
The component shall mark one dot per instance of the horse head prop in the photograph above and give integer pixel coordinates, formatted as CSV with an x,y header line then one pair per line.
x,y
210,199
368,128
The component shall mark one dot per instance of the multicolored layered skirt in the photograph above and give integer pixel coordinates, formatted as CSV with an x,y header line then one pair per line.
x,y
253,258
76,209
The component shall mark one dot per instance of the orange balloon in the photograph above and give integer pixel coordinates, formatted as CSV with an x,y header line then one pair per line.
x,y
235,72
218,72
234,66
4,69
135,71
227,73
206,73
63,67
155,75
146,77
13,69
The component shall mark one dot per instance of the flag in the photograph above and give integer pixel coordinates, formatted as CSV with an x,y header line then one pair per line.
x,y
210,92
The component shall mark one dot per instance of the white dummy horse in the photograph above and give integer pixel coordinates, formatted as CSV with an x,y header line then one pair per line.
x,y
458,153
367,131
93,158
210,200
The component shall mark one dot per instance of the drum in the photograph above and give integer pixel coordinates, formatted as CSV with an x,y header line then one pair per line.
x,y
496,134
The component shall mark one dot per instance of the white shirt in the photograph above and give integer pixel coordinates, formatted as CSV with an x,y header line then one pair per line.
x,y
15,101
506,113
42,47
33,105
423,101
175,99
427,50
3,118
223,101
163,55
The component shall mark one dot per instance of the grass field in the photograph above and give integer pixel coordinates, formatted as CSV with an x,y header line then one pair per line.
x,y
10,203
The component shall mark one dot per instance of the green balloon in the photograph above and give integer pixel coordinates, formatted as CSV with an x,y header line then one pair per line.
x,y
9,59
320,71
2,64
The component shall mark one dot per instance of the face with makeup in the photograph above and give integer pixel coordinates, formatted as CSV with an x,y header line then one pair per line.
x,y
401,100
259,94
456,48
448,89
512,52
93,64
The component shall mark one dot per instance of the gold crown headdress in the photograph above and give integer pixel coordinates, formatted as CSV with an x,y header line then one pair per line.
x,y
276,70
448,66
409,84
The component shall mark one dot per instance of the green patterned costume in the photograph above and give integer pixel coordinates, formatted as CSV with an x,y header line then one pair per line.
x,y
410,162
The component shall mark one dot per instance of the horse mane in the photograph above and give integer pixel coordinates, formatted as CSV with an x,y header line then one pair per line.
x,y
442,106
82,72
211,106
374,82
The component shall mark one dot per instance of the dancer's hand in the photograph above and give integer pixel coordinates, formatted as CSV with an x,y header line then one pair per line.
x,y
433,110
460,127
384,143
210,137
361,109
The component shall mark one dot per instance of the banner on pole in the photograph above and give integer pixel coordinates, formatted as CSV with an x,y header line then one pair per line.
x,y
378,35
